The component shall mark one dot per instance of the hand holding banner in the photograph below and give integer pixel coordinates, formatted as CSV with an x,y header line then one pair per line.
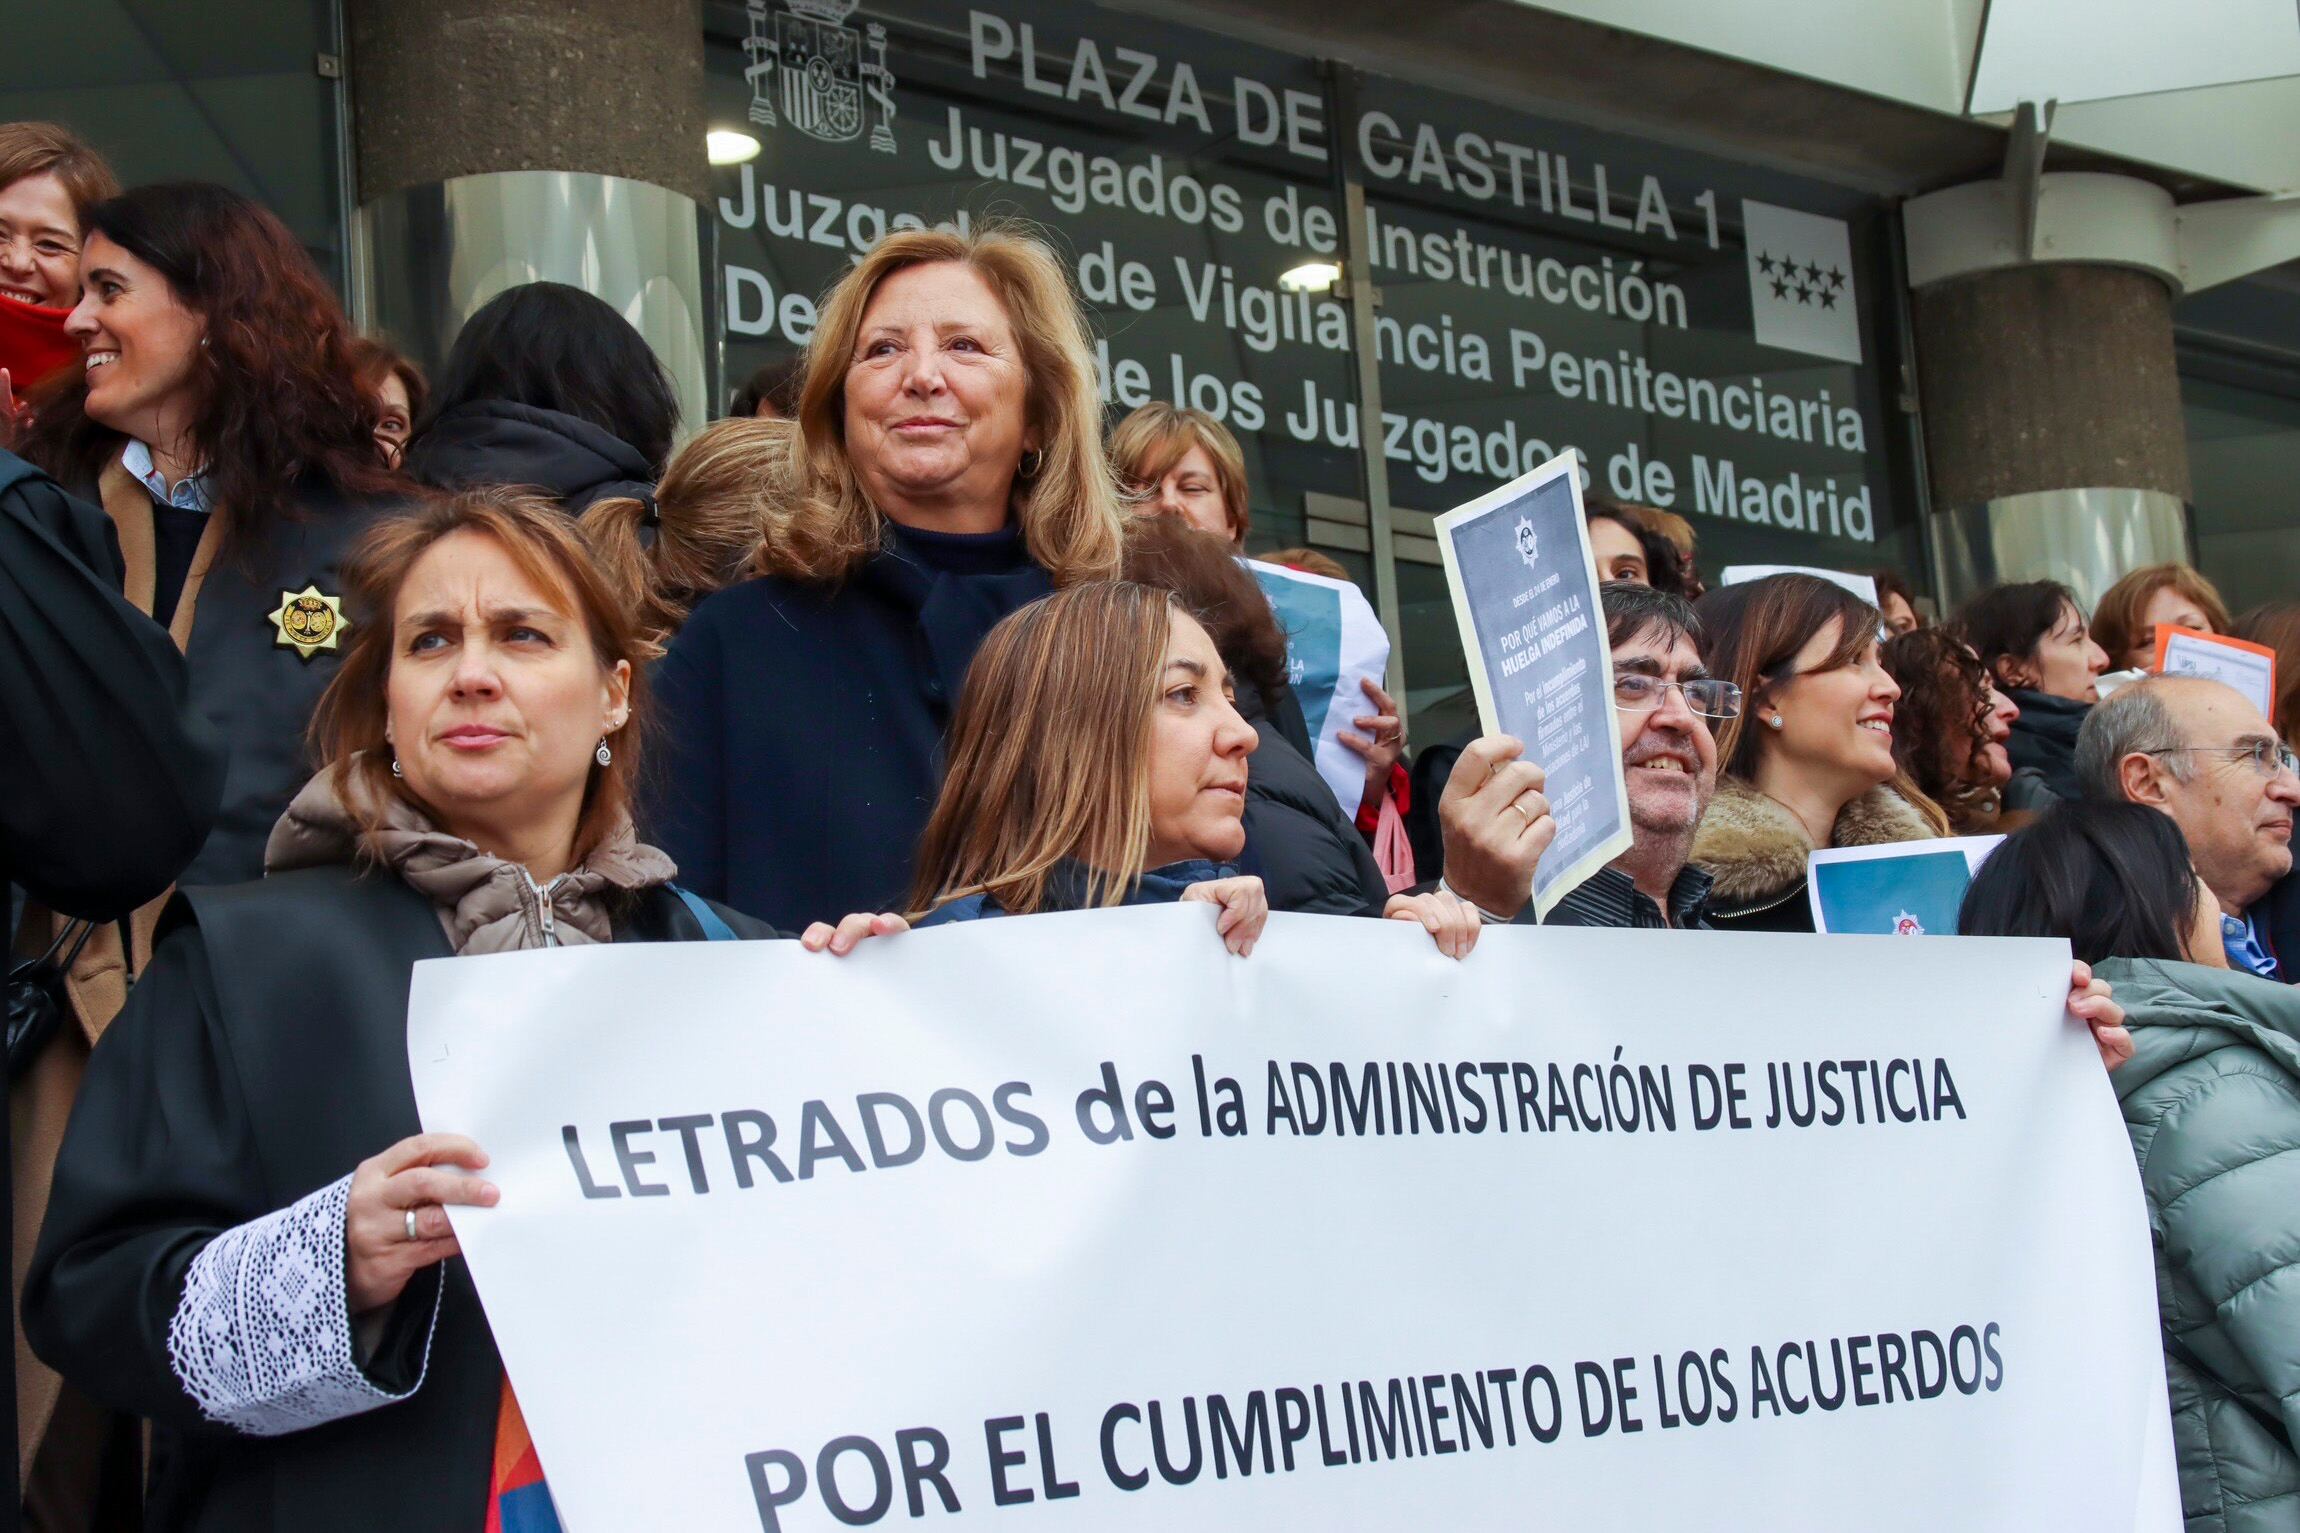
x,y
1075,1221
1524,589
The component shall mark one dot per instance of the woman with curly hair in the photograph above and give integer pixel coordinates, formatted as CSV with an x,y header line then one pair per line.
x,y
217,414
1949,732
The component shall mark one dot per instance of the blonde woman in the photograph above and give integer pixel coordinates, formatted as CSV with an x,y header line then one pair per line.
x,y
1129,788
702,529
949,470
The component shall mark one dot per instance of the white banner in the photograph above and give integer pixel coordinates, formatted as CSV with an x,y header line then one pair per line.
x,y
1075,1221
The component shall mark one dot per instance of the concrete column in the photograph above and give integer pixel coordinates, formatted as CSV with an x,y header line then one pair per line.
x,y
2053,430
499,142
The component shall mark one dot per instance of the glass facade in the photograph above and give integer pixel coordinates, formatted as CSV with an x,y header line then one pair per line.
x,y
226,90
2240,391
1707,337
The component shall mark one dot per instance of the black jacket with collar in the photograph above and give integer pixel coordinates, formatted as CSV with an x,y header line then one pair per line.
x,y
493,441
2044,738
803,723
1306,849
262,1057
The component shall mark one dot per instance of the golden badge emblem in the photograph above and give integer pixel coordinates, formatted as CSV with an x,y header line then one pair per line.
x,y
308,621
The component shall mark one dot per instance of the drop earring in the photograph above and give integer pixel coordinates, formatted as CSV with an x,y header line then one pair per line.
x,y
603,754
395,771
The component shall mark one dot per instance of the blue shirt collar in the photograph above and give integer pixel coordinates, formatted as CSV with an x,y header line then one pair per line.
x,y
2244,949
190,495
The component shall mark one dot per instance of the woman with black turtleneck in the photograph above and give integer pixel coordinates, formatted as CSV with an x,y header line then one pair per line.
x,y
2033,640
951,470
548,386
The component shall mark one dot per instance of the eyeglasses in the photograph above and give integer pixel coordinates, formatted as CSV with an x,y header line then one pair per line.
x,y
2265,757
1634,692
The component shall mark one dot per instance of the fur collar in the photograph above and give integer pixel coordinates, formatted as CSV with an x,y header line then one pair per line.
x,y
1755,848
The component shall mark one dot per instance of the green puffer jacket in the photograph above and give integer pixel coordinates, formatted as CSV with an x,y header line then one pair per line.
x,y
2211,1098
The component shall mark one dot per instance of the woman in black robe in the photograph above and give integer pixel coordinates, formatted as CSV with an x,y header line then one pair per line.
x,y
247,1242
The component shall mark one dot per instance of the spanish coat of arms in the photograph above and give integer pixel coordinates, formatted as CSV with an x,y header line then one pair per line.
x,y
808,69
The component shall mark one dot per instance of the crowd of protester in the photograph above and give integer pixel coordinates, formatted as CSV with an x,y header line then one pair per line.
x,y
916,636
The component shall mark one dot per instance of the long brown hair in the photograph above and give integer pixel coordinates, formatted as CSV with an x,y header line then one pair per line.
x,y
710,516
347,729
1049,752
1751,635
1067,507
1202,569
1940,724
280,400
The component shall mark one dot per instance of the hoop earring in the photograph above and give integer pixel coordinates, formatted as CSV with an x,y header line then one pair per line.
x,y
603,754
1028,465
395,771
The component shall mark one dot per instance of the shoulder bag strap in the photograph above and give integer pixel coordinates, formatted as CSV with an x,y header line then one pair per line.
x,y
715,928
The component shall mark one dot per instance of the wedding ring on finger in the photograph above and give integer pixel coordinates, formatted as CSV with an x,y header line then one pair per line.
x,y
411,1226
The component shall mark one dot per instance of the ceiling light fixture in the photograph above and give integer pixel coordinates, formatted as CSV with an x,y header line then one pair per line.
x,y
728,146
1311,277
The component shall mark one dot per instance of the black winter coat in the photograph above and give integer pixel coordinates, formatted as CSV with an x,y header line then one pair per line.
x,y
493,441
803,723
108,776
109,779
1308,853
262,1057
2044,739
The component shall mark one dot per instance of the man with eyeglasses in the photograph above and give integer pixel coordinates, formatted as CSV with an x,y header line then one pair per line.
x,y
2201,752
1496,822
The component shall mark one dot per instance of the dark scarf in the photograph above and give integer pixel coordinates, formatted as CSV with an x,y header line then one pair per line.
x,y
2044,739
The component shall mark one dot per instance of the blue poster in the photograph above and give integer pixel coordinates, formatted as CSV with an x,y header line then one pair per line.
x,y
1894,892
1525,594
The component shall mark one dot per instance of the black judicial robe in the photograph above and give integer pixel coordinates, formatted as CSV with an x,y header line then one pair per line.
x,y
262,1057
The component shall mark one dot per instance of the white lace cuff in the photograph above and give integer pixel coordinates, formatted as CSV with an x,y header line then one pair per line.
x,y
262,1337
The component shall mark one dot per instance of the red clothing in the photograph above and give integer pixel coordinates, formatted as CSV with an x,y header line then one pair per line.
x,y
33,345
518,1500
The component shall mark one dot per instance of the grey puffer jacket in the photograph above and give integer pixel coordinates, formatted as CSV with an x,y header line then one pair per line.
x,y
2211,1098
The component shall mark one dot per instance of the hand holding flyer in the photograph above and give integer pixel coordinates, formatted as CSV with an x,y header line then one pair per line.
x,y
1525,593
2249,668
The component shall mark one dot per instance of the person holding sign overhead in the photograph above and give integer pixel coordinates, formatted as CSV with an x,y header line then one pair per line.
x,y
1496,819
249,1242
949,470
1808,763
1128,789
